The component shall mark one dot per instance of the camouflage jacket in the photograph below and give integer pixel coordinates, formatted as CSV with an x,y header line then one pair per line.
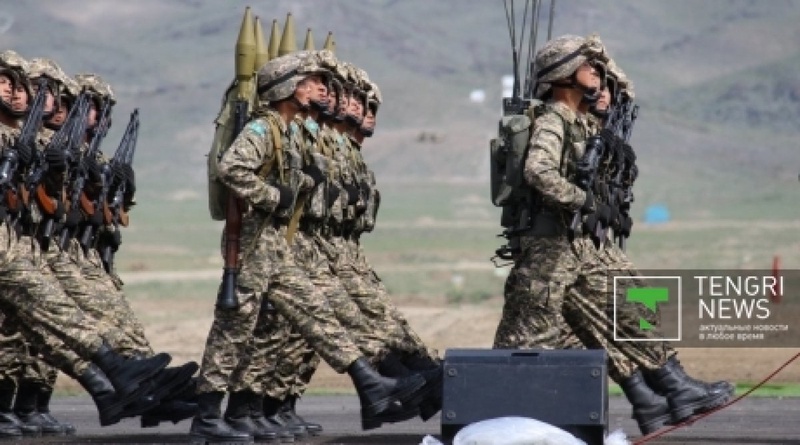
x,y
557,143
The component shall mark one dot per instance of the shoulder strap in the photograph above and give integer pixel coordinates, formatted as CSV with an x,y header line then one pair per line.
x,y
277,145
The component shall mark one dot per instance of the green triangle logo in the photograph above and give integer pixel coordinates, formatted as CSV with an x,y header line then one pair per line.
x,y
644,325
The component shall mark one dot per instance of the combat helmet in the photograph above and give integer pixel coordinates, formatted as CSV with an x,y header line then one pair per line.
x,y
96,86
561,57
59,84
16,68
278,78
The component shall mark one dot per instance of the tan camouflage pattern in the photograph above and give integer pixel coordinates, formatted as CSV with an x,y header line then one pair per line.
x,y
303,63
98,297
96,85
32,296
268,271
47,67
544,162
11,59
554,51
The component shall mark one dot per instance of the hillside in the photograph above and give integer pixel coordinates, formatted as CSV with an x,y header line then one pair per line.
x,y
716,81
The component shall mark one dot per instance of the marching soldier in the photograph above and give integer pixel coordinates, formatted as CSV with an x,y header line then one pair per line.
x,y
555,274
262,170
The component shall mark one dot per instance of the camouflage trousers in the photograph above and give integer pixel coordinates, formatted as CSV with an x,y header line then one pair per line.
x,y
20,361
95,292
369,293
559,288
293,360
34,303
269,277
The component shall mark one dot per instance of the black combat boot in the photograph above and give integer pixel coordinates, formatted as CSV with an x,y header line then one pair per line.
x,y
111,405
650,410
208,425
432,371
25,408
172,410
384,399
9,423
127,374
172,381
271,408
242,407
43,407
717,387
686,397
287,412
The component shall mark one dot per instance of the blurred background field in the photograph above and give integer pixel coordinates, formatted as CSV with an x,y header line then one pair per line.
x,y
716,138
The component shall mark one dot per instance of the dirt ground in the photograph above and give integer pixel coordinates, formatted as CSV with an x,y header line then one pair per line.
x,y
441,326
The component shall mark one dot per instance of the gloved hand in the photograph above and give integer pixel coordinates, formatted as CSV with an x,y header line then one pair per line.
x,y
625,225
315,173
589,223
94,168
25,154
603,213
588,203
287,196
352,193
56,161
123,174
333,194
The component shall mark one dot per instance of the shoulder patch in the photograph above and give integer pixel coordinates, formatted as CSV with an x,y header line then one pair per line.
x,y
258,128
312,126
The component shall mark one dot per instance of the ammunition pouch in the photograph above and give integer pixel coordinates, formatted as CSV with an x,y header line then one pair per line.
x,y
548,224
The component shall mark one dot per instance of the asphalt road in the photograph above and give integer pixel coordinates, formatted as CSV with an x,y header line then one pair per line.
x,y
751,421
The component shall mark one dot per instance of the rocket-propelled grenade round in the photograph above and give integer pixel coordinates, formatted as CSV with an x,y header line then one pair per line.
x,y
245,55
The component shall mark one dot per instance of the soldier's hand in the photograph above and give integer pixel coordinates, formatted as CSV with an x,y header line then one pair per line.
x,y
333,194
352,194
94,169
56,161
589,223
286,196
588,203
25,153
625,225
315,173
123,174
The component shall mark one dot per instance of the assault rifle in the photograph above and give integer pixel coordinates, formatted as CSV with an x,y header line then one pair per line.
x,y
67,139
115,212
245,67
78,203
14,157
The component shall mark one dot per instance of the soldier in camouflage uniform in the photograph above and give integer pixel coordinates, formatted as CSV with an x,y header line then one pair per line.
x,y
261,168
556,279
15,357
32,300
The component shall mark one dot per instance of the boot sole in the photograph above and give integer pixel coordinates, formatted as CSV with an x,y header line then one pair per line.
x,y
654,424
114,413
370,423
699,407
196,439
176,385
406,396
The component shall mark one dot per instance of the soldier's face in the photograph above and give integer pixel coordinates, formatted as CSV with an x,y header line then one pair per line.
x,y
6,88
91,118
311,88
355,108
369,119
49,99
332,103
60,115
20,100
588,76
605,100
